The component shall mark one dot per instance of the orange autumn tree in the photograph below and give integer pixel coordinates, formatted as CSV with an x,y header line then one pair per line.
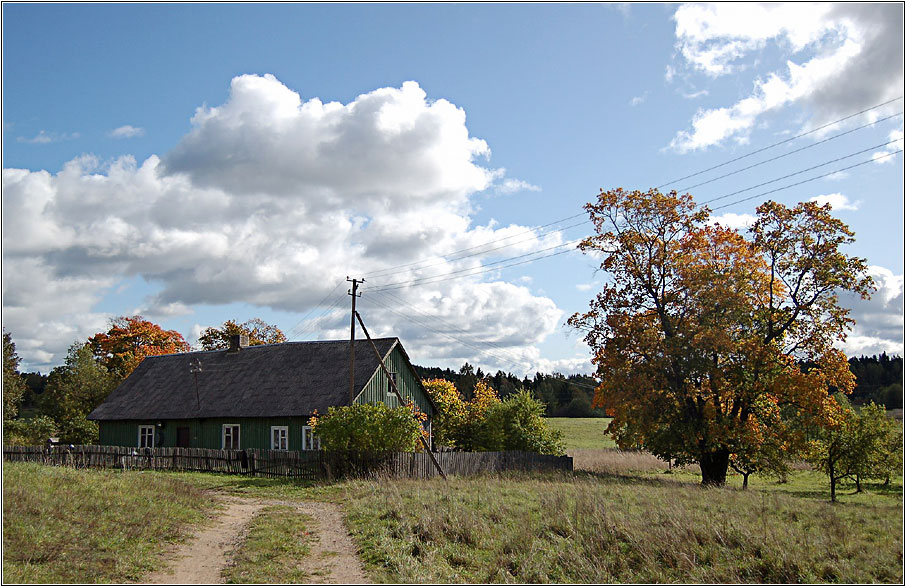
x,y
129,340
699,335
258,331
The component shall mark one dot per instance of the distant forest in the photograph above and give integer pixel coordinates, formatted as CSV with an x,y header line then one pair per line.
x,y
878,379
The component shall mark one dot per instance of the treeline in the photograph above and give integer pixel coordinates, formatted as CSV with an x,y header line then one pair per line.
x,y
563,396
37,406
879,379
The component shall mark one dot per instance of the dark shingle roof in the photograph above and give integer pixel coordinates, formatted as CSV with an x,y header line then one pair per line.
x,y
288,379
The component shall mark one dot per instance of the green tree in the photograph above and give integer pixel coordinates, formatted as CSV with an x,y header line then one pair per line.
x,y
13,386
698,334
30,431
517,423
73,390
451,411
485,423
878,445
258,331
371,428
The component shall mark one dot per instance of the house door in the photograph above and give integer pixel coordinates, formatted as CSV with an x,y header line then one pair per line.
x,y
182,437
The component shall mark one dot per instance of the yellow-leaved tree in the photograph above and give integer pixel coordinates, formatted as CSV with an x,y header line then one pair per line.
x,y
700,334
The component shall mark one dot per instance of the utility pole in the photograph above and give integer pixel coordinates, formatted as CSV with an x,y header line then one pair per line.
x,y
399,396
352,292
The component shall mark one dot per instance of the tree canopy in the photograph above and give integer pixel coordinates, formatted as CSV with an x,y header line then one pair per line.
x,y
14,387
129,340
699,334
258,331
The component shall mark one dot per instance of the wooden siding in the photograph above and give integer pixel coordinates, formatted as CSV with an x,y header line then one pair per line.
x,y
375,391
206,433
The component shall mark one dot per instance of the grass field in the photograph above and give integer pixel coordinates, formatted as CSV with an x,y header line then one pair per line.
x,y
75,526
624,518
583,433
615,530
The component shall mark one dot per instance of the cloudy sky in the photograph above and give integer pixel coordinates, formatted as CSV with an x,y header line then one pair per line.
x,y
198,163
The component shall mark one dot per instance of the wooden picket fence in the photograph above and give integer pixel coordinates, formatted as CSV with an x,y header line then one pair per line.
x,y
311,465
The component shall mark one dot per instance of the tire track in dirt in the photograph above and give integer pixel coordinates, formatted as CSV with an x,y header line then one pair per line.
x,y
333,558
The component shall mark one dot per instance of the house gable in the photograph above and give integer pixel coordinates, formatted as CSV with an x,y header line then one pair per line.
x,y
407,381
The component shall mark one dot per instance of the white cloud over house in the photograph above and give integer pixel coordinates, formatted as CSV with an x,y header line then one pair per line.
x,y
270,200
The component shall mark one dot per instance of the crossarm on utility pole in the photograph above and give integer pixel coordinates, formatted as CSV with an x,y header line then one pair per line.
x,y
399,396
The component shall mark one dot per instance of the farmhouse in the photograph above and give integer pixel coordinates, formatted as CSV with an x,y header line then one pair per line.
x,y
251,396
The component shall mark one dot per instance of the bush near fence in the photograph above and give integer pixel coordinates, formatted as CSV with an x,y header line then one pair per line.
x,y
312,465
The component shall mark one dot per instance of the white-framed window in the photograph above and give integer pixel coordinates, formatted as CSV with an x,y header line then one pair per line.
x,y
390,386
309,440
279,438
231,436
146,436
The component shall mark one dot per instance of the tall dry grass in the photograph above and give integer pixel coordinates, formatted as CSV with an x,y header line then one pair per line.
x,y
616,530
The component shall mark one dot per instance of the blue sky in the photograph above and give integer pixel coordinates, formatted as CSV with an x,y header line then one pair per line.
x,y
198,163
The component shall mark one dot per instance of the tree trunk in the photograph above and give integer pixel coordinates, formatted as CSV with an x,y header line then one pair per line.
x,y
745,480
858,484
714,467
833,481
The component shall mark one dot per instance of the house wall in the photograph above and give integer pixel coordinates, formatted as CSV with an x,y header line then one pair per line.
x,y
204,433
256,432
406,381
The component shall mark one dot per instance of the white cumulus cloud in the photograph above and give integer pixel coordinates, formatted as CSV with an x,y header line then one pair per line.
x,y
270,200
822,43
879,321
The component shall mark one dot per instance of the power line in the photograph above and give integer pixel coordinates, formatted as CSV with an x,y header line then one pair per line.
x,y
315,324
802,171
872,160
416,280
446,260
437,318
446,257
443,258
814,130
505,361
789,153
436,279
315,307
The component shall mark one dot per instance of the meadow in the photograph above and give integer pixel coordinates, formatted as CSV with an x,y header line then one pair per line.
x,y
621,517
583,433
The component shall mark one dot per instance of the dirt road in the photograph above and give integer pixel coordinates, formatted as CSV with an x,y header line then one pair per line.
x,y
201,559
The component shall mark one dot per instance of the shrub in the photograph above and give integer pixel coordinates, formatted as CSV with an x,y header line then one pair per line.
x,y
35,431
488,424
517,423
369,428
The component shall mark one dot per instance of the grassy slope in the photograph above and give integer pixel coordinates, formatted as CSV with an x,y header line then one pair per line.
x,y
70,526
583,433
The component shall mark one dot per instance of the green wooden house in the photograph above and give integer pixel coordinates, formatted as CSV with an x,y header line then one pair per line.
x,y
251,396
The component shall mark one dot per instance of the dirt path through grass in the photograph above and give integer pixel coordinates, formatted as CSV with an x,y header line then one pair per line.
x,y
333,556
200,560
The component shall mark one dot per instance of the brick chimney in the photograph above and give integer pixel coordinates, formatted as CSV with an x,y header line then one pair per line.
x,y
238,341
